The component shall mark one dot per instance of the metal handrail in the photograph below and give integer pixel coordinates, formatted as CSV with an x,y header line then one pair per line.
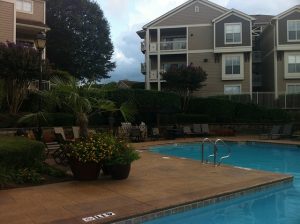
x,y
203,142
228,148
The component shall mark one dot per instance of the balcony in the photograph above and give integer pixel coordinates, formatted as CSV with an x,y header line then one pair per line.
x,y
154,76
173,45
143,47
257,80
143,68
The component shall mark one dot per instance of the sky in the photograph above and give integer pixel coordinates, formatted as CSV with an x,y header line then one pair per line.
x,y
125,17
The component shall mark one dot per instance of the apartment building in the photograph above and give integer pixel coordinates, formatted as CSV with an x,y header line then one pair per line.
x,y
228,44
280,45
22,20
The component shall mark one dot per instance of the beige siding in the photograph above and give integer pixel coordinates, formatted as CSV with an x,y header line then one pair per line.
x,y
280,77
188,16
6,21
214,84
282,26
201,38
38,12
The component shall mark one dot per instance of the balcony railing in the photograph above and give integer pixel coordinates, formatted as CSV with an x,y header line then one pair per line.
x,y
154,75
143,46
143,68
173,45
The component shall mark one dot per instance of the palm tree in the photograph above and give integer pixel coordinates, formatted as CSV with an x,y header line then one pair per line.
x,y
68,94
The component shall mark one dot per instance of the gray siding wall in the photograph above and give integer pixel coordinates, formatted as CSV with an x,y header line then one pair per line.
x,y
282,28
188,16
280,76
201,38
38,12
220,31
214,83
6,21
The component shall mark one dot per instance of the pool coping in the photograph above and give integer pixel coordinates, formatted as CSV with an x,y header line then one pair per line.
x,y
188,206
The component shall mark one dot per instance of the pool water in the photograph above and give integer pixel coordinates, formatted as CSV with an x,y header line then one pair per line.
x,y
279,205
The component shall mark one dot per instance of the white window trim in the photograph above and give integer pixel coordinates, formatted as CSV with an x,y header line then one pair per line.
x,y
288,75
236,76
291,84
232,43
22,11
233,85
288,33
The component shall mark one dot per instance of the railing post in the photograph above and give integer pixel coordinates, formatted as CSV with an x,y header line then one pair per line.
x,y
257,98
285,101
215,154
202,159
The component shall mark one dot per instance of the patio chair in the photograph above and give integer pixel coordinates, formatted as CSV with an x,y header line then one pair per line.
x,y
59,155
205,129
155,134
287,132
188,132
273,133
144,131
135,134
60,130
197,129
76,133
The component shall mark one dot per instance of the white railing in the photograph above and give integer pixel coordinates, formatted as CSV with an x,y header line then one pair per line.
x,y
173,45
34,85
266,99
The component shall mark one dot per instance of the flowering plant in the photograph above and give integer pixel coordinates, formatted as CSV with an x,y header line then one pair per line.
x,y
122,154
96,148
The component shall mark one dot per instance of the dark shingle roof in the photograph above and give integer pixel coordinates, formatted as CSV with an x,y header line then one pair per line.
x,y
262,18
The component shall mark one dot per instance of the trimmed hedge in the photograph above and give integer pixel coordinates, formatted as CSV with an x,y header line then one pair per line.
x,y
225,111
19,152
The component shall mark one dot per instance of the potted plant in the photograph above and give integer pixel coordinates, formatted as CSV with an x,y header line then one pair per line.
x,y
120,160
88,154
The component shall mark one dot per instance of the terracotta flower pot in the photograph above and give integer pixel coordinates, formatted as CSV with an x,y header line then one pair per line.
x,y
120,172
85,171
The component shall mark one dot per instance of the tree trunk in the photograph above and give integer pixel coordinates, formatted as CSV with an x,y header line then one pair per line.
x,y
82,122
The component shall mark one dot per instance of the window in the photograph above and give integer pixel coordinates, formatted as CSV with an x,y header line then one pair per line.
x,y
232,89
197,9
293,88
292,65
293,30
233,33
24,6
233,67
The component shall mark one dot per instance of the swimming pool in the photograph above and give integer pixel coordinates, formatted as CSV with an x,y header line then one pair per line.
x,y
273,206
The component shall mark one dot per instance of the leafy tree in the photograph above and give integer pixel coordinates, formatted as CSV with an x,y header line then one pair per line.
x,y
79,41
18,66
184,81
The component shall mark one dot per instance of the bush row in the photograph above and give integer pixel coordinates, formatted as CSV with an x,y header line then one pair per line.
x,y
19,152
220,110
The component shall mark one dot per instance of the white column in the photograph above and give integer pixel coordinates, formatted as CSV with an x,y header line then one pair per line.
x,y
187,46
158,61
147,44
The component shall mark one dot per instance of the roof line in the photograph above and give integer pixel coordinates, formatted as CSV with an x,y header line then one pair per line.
x,y
212,5
287,11
234,11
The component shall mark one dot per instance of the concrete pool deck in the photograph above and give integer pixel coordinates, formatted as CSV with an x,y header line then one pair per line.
x,y
155,183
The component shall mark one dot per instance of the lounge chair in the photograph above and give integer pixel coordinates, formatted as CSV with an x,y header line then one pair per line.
x,y
155,133
197,129
188,132
135,134
60,130
76,133
287,132
274,133
205,129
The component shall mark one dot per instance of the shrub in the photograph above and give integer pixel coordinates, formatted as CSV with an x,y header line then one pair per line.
x,y
8,121
19,152
192,118
48,120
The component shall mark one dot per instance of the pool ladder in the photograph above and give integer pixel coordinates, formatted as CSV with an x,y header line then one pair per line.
x,y
215,154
